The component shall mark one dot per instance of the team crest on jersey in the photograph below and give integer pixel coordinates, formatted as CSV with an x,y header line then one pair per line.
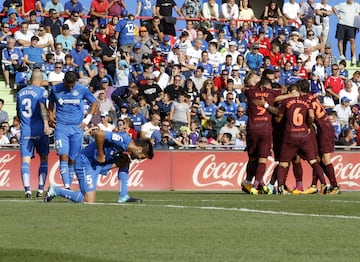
x,y
75,93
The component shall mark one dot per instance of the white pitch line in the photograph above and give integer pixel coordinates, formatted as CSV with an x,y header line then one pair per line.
x,y
247,210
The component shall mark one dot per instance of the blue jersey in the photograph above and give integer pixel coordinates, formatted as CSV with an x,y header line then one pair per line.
x,y
70,103
125,27
28,107
115,144
138,120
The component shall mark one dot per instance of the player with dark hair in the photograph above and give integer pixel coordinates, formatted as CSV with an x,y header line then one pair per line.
x,y
110,150
259,134
299,117
66,114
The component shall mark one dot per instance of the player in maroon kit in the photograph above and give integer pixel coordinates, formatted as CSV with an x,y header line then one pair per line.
x,y
299,117
259,134
325,139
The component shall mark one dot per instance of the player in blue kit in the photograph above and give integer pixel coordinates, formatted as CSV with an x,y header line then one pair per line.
x,y
33,115
110,150
66,114
124,32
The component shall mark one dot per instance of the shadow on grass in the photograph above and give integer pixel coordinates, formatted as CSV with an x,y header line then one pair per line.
x,y
10,254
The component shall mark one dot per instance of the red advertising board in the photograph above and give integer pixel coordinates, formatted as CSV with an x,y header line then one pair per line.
x,y
180,170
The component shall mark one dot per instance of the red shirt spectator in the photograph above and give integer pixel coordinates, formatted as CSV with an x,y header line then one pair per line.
x,y
334,81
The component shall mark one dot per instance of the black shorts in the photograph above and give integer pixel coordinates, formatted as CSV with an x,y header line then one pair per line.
x,y
345,32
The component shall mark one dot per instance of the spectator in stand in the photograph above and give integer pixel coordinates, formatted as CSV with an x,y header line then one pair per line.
x,y
346,140
204,63
263,42
164,131
4,140
111,25
272,12
68,41
210,13
156,31
151,91
23,36
350,91
175,89
76,24
307,9
322,19
149,127
345,28
105,123
282,28
87,71
115,7
5,34
99,8
229,104
229,127
334,82
220,82
59,55
180,113
328,54
79,54
163,10
280,40
109,57
297,46
219,118
291,10
13,20
46,40
161,77
229,10
53,23
106,105
253,58
245,11
4,117
302,70
266,29
192,9
136,117
241,119
198,78
73,5
33,54
96,81
54,4
343,111
33,24
57,76
124,31
12,60
308,58
145,8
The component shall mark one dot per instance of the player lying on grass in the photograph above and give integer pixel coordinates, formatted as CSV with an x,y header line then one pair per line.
x,y
110,150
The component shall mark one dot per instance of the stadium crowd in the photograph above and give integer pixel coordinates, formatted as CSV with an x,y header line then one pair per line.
x,y
185,89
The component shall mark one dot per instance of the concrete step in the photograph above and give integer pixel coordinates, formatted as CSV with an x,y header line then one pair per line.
x,y
9,97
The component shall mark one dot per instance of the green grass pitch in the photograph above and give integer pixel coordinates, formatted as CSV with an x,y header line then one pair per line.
x,y
182,226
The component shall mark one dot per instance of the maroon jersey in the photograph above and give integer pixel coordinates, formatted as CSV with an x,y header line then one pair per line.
x,y
295,111
258,116
325,130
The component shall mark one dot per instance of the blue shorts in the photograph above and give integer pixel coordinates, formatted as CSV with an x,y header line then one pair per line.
x,y
68,140
28,144
87,175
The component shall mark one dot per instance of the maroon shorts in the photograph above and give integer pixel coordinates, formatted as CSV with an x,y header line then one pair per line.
x,y
259,143
303,147
326,140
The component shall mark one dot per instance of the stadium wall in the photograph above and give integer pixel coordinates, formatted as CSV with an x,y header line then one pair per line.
x,y
180,170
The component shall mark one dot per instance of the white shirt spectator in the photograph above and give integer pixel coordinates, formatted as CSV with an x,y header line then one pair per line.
x,y
291,10
75,27
148,128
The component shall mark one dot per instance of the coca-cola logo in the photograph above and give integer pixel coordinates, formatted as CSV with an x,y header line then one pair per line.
x,y
348,173
4,172
208,172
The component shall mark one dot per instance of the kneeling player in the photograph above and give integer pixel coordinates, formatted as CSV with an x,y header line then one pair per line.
x,y
110,150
